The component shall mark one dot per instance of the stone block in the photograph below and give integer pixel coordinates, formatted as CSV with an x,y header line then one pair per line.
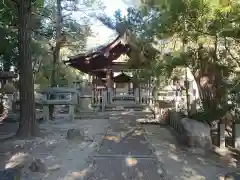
x,y
75,134
197,133
38,166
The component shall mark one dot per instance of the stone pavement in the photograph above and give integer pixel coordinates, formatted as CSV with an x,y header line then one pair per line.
x,y
125,153
181,163
131,151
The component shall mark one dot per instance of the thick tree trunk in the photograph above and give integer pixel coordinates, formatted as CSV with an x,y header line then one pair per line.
x,y
28,125
207,91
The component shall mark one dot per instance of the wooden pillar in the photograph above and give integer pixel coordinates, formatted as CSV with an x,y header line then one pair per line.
x,y
93,89
109,85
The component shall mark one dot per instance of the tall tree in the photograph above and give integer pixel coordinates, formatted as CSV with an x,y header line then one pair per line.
x,y
28,125
59,39
62,24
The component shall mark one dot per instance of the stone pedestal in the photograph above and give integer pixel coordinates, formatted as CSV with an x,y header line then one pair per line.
x,y
46,112
74,98
222,136
237,135
85,103
10,101
136,94
71,112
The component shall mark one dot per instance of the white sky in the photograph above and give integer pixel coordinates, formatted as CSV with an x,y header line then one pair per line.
x,y
102,34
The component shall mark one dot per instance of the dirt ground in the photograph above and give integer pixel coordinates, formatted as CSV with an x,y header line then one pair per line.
x,y
72,159
64,159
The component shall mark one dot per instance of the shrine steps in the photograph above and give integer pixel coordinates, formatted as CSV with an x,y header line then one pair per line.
x,y
92,115
140,110
124,107
107,114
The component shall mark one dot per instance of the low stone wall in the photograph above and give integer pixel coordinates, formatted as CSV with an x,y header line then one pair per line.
x,y
190,132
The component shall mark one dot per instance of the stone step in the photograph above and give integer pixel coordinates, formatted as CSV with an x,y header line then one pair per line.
x,y
126,105
107,113
92,115
116,109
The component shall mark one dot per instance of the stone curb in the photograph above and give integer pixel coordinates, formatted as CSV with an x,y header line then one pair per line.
x,y
7,136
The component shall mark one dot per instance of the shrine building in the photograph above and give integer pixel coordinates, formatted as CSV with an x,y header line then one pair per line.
x,y
111,73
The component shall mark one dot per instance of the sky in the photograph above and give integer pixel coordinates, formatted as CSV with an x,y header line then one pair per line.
x,y
102,34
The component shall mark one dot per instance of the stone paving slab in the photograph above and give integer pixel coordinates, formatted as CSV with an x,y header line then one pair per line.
x,y
122,123
132,142
125,169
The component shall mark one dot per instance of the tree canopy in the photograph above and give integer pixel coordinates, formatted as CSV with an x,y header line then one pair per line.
x,y
201,35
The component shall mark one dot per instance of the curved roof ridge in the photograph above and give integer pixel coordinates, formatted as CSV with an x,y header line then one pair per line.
x,y
98,50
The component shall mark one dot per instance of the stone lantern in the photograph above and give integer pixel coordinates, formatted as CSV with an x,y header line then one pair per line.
x,y
9,90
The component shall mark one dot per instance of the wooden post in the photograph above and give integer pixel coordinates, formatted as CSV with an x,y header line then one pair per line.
x,y
109,85
93,89
46,112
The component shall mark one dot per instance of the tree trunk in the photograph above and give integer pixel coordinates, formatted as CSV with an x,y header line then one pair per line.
x,y
56,51
28,125
206,86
